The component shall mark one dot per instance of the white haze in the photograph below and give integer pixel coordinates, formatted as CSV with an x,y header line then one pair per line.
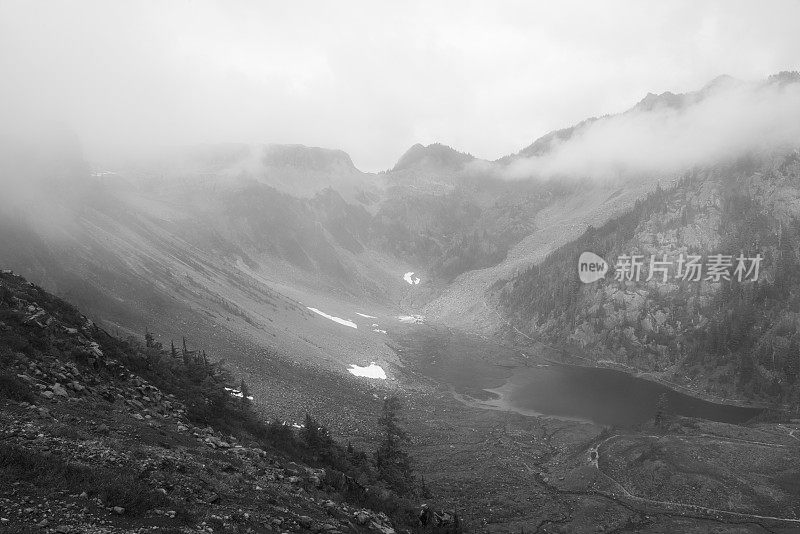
x,y
370,78
730,121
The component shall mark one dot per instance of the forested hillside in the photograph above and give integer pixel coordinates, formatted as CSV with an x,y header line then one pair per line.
x,y
726,338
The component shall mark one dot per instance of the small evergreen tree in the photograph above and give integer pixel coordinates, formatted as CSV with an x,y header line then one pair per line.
x,y
747,369
173,353
457,525
662,411
185,353
245,391
792,366
314,435
391,460
424,491
148,338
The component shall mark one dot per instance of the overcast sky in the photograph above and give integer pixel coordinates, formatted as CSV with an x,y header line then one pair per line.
x,y
371,78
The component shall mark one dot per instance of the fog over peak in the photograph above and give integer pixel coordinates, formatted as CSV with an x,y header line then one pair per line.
x,y
370,80
668,133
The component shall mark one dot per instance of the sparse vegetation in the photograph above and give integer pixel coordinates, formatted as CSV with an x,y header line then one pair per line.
x,y
114,487
391,460
14,388
212,398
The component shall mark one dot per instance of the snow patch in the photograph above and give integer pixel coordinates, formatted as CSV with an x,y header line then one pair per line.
x,y
373,370
339,320
367,316
410,278
411,319
238,394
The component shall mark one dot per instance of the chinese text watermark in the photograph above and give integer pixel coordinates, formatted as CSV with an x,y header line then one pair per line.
x,y
684,267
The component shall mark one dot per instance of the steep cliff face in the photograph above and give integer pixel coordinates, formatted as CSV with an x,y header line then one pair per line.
x,y
724,337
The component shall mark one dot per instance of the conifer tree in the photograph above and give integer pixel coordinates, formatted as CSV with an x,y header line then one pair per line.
x,y
391,460
245,391
457,525
792,366
662,411
314,435
185,353
424,491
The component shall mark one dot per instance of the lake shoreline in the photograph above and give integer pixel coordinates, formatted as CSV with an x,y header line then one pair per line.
x,y
569,358
527,391
678,388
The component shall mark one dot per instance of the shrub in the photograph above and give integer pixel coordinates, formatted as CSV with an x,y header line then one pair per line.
x,y
14,388
115,488
128,492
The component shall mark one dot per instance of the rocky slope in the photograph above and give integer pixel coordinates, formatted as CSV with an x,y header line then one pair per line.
x,y
89,444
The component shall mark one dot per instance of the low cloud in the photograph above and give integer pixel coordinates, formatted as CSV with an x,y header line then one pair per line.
x,y
655,138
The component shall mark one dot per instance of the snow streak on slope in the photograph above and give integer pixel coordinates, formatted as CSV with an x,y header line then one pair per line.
x,y
339,320
373,370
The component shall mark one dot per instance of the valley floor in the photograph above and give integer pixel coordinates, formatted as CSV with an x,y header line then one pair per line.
x,y
504,471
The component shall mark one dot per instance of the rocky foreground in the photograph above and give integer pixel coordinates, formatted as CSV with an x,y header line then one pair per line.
x,y
88,446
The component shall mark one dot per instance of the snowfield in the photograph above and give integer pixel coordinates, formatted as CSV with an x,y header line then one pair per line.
x,y
371,371
410,278
339,320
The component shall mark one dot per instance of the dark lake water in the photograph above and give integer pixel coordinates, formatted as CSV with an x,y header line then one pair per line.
x,y
608,397
471,366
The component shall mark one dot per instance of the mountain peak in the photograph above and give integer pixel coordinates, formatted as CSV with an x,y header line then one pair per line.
x,y
785,77
308,158
434,156
664,100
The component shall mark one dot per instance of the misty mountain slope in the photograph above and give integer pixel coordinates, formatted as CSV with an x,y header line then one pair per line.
x,y
654,141
473,226
298,170
463,303
668,132
430,215
209,232
293,359
726,338
140,271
